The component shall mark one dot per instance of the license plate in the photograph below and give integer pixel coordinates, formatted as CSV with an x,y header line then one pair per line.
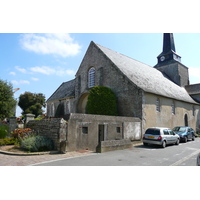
x,y
151,137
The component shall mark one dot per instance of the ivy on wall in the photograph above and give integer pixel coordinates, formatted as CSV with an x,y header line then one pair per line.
x,y
101,101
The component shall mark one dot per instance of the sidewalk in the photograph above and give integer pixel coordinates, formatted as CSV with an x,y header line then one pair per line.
x,y
12,159
17,160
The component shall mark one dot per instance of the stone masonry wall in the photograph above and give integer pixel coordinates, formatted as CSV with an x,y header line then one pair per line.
x,y
129,96
54,128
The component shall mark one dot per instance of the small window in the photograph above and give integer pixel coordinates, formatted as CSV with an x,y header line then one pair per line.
x,y
85,130
166,132
118,130
91,77
152,131
193,111
158,105
173,108
171,132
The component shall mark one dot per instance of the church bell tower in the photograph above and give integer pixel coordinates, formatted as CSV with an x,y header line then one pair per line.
x,y
169,62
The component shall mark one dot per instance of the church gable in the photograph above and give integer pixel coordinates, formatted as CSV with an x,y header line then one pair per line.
x,y
107,74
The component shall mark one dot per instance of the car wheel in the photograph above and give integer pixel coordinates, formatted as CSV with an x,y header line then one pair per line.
x,y
177,142
163,144
193,138
185,139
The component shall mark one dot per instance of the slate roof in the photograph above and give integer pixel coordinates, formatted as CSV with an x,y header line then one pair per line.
x,y
66,89
193,89
146,77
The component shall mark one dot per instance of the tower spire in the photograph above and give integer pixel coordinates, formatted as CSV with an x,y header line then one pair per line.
x,y
169,62
168,43
168,54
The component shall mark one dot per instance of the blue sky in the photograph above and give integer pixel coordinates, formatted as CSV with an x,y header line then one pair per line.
x,y
39,63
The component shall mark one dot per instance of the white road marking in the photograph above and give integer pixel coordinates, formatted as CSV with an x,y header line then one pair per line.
x,y
185,158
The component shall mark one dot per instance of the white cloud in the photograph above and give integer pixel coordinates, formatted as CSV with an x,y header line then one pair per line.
x,y
35,79
63,72
14,82
55,43
24,71
43,70
12,73
58,71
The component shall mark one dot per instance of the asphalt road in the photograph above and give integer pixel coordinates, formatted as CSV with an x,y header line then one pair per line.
x,y
184,154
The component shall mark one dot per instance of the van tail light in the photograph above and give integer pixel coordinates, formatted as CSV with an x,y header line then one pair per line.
x,y
159,138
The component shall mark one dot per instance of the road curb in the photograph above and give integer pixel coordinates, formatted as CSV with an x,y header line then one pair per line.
x,y
135,143
28,154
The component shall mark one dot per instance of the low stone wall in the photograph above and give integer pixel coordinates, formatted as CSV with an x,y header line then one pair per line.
x,y
12,124
54,128
87,131
111,145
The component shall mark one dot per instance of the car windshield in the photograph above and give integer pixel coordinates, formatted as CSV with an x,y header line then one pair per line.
x,y
153,131
180,129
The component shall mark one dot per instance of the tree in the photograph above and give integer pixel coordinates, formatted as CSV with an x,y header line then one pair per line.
x,y
101,101
32,103
7,101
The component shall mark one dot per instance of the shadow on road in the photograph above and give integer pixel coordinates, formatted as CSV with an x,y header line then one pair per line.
x,y
147,147
151,146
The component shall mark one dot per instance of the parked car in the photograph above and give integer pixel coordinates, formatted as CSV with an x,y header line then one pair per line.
x,y
186,133
198,160
160,136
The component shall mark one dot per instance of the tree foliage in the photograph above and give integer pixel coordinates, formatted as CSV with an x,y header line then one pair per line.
x,y
101,101
7,101
32,103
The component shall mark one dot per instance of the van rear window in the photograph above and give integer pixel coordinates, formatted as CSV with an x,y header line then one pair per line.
x,y
153,131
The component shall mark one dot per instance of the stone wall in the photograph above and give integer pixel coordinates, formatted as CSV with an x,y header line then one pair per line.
x,y
88,131
177,72
12,124
54,128
112,145
165,118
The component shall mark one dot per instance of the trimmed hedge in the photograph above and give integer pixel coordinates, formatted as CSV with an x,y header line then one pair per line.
x,y
101,101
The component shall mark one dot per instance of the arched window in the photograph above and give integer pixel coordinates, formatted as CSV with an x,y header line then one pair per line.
x,y
91,77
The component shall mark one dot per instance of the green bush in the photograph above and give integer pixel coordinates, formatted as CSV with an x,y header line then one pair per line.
x,y
3,131
101,101
197,134
8,141
35,143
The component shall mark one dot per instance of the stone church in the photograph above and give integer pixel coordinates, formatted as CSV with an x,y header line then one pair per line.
x,y
159,96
